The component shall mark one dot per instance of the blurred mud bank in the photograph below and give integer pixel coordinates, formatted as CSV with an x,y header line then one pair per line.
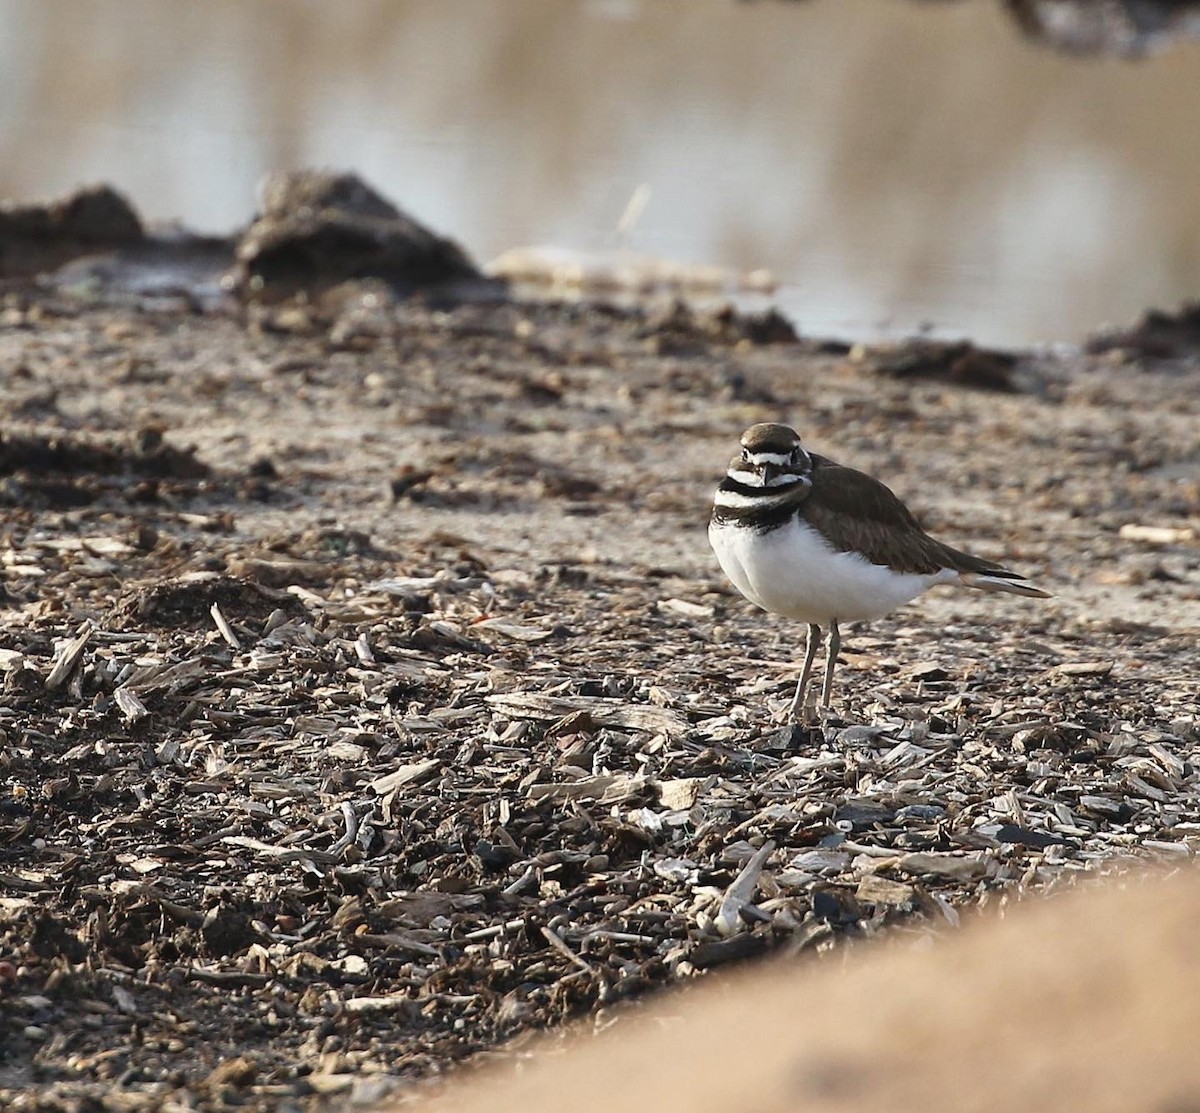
x,y
314,230
326,242
317,229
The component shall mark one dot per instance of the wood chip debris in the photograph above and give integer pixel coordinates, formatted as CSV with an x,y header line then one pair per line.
x,y
601,711
68,658
411,773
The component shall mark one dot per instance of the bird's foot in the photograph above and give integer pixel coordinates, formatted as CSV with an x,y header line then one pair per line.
x,y
830,716
807,716
789,738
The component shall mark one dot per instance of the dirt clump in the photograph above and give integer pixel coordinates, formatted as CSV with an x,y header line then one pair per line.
x,y
960,363
187,601
1158,335
35,239
318,228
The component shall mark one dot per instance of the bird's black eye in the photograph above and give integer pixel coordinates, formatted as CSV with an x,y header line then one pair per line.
x,y
746,454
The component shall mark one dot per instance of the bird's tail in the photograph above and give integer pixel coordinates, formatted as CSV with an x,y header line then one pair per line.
x,y
1002,580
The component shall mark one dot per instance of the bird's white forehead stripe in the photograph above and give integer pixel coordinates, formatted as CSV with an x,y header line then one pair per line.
x,y
761,458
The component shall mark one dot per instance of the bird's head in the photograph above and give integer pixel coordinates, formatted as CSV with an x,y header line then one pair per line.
x,y
771,456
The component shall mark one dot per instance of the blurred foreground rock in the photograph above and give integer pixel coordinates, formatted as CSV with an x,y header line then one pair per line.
x,y
1083,1001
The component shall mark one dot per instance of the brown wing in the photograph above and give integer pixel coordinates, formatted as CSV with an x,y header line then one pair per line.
x,y
856,512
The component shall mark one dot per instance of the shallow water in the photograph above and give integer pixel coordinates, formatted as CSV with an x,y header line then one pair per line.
x,y
892,164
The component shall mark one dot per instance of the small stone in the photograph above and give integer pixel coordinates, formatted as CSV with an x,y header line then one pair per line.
x,y
874,889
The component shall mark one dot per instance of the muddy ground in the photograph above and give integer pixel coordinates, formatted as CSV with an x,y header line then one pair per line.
x,y
371,696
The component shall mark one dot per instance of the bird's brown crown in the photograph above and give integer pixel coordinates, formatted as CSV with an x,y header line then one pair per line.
x,y
770,437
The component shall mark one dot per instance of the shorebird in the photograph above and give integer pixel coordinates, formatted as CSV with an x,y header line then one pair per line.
x,y
806,538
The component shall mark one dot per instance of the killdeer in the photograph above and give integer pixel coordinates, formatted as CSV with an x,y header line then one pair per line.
x,y
806,538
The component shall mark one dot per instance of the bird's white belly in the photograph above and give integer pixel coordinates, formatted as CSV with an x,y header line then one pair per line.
x,y
794,572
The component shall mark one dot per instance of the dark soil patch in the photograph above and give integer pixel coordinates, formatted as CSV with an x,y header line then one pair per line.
x,y
189,603
1158,336
55,469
